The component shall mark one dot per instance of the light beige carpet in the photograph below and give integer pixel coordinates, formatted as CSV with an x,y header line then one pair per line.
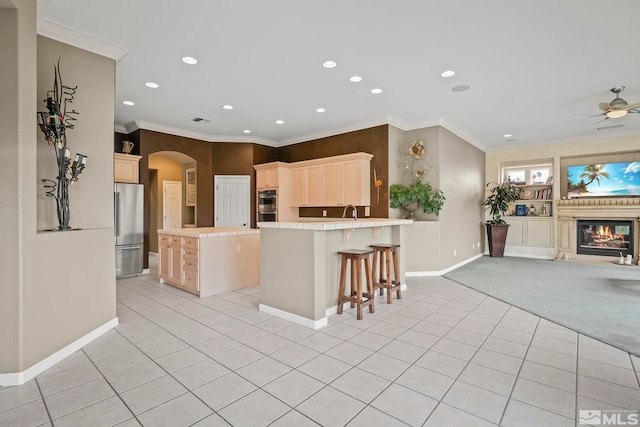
x,y
599,301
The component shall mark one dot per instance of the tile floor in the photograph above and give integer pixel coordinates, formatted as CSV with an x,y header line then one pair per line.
x,y
444,355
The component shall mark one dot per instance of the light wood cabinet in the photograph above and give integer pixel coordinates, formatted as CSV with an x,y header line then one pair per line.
x,y
267,178
276,176
191,188
298,186
178,261
126,168
209,265
332,181
314,187
356,182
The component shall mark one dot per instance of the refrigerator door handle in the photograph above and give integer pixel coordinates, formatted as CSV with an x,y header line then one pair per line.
x,y
131,248
117,202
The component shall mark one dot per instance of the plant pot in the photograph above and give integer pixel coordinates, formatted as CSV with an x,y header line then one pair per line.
x,y
497,237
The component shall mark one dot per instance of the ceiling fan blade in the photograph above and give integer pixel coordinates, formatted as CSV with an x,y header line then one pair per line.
x,y
631,106
604,106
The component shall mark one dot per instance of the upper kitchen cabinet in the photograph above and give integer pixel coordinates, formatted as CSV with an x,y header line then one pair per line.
x,y
332,181
192,188
126,168
270,175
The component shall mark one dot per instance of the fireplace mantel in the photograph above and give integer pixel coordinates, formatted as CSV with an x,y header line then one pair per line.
x,y
570,210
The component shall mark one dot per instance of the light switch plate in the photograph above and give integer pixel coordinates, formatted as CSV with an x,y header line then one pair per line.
x,y
367,210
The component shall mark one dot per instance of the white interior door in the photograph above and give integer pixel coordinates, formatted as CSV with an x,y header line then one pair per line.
x,y
232,200
171,204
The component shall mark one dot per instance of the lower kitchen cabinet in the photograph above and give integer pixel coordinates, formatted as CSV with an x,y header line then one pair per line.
x,y
209,261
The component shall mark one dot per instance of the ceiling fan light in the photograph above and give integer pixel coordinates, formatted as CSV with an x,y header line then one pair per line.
x,y
616,114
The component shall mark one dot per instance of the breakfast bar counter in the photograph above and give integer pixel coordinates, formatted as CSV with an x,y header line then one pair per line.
x,y
300,267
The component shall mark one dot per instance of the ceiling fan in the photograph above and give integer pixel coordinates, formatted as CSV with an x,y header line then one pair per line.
x,y
618,107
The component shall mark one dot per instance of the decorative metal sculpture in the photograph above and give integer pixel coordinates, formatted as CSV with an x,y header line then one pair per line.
x,y
54,123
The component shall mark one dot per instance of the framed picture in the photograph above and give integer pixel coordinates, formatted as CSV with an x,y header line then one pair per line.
x,y
521,210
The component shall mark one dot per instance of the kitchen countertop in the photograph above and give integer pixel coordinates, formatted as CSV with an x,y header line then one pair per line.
x,y
324,224
209,231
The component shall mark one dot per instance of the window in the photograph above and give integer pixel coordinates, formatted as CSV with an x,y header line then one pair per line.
x,y
528,174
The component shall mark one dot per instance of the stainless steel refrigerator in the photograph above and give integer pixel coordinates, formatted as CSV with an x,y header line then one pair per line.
x,y
128,228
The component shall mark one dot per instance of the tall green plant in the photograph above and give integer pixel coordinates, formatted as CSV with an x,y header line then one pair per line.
x,y
417,195
498,201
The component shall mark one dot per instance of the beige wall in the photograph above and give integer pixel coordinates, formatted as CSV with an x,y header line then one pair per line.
x,y
65,280
168,170
462,180
17,68
457,168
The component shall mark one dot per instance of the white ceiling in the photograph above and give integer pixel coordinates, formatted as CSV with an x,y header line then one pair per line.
x,y
536,69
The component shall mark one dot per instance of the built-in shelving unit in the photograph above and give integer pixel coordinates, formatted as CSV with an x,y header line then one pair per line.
x,y
531,231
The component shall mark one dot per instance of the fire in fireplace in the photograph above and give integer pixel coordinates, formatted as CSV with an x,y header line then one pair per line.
x,y
604,237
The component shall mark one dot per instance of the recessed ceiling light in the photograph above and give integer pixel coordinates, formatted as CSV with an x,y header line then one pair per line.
x,y
320,110
227,107
447,73
460,88
152,85
280,122
128,103
329,64
246,131
507,135
355,79
189,60
376,91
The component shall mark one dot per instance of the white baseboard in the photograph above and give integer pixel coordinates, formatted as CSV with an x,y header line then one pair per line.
x,y
19,378
313,324
441,272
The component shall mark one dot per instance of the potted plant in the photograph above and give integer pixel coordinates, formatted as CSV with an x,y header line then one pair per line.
x,y
416,194
498,203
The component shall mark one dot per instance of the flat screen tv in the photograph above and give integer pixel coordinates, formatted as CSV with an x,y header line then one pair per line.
x,y
604,180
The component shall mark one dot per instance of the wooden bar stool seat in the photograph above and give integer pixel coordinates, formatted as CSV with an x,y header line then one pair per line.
x,y
356,296
388,254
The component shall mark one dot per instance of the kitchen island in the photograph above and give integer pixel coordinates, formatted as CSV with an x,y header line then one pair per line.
x,y
209,260
300,267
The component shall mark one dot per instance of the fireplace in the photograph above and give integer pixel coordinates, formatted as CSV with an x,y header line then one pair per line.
x,y
582,228
604,237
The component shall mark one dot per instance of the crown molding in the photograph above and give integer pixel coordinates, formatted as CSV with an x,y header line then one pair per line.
x,y
120,128
389,120
62,33
333,131
140,124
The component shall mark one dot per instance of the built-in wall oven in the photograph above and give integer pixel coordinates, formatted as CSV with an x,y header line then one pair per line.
x,y
267,206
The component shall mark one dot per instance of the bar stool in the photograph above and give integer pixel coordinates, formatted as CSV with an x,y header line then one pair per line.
x,y
356,296
383,279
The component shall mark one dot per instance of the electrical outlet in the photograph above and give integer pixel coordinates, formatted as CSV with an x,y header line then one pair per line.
x,y
478,244
324,212
473,246
367,211
238,247
455,253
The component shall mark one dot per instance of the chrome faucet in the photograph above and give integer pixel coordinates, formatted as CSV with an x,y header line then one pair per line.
x,y
355,212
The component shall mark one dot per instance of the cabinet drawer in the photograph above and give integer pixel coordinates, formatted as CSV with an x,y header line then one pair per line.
x,y
191,280
175,239
190,264
191,252
163,238
191,241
